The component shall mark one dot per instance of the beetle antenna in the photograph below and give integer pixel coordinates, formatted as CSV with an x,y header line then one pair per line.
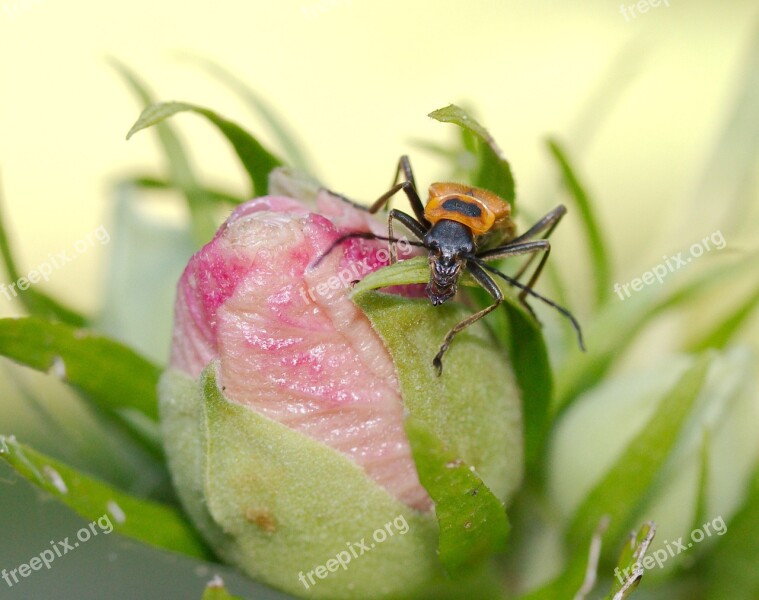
x,y
529,290
366,235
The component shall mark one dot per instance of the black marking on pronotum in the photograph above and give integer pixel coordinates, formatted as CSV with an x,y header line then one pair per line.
x,y
469,209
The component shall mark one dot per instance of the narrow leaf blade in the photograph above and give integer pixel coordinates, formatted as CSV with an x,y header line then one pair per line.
x,y
180,168
728,327
257,160
618,323
102,368
117,382
532,367
598,249
731,566
622,488
148,182
150,522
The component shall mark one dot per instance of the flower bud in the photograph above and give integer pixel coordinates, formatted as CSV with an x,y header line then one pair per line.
x,y
283,408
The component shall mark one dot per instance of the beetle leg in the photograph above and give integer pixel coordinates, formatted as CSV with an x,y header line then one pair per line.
x,y
528,290
548,223
409,188
407,185
411,224
364,235
490,286
514,249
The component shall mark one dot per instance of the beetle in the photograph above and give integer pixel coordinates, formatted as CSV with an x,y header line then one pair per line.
x,y
462,227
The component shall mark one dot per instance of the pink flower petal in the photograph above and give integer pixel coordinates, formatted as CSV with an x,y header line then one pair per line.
x,y
291,344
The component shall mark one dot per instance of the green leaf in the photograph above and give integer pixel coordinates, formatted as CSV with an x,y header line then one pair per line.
x,y
702,491
404,272
629,570
494,171
617,324
578,575
257,161
259,106
35,302
115,380
728,327
529,357
623,487
148,182
146,521
215,590
598,249
473,523
731,566
181,171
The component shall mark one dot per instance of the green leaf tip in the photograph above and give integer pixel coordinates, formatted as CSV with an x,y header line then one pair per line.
x,y
216,590
473,523
256,160
492,171
629,570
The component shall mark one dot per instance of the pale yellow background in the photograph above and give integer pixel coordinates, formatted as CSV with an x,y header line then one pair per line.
x,y
355,79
